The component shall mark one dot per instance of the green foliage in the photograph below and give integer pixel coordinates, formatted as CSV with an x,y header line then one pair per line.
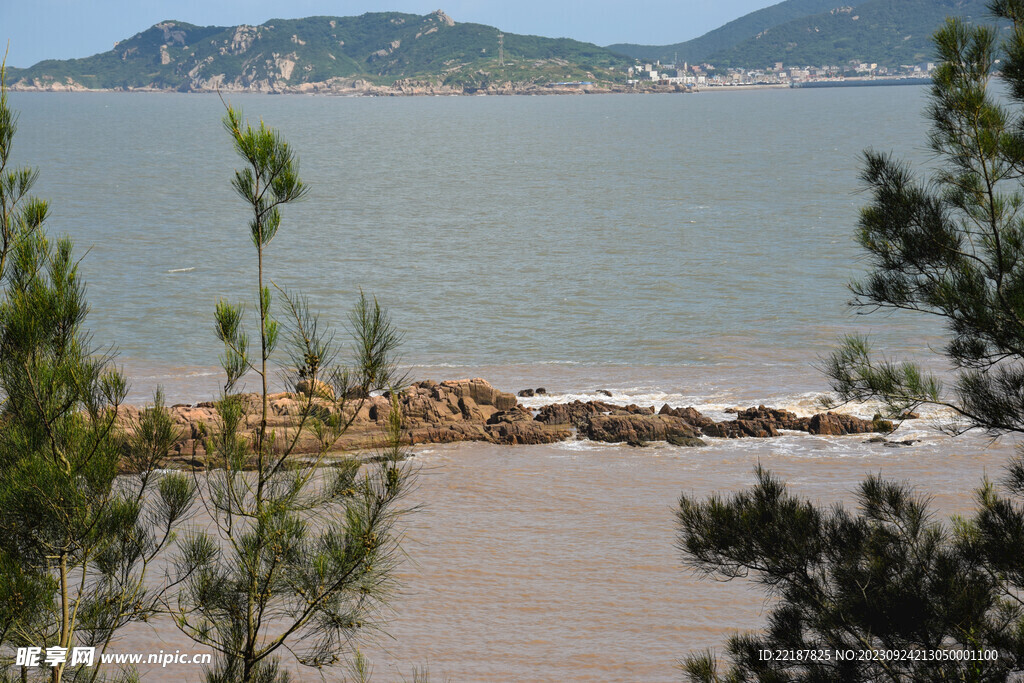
x,y
76,539
858,376
890,578
819,32
299,560
380,47
20,213
889,32
725,37
951,247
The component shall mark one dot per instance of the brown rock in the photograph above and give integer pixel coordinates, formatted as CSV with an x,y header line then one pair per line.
x,y
780,419
505,401
757,428
470,410
635,427
316,387
687,441
473,410
517,427
573,413
691,415
481,392
837,424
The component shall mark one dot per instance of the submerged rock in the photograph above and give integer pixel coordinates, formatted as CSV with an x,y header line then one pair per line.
x,y
687,441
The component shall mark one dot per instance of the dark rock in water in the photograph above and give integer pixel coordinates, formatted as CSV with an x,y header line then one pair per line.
x,y
900,444
526,393
731,411
518,415
688,441
738,429
779,419
758,429
574,412
604,392
634,409
837,424
884,426
691,415
625,428
877,439
636,443
518,427
541,391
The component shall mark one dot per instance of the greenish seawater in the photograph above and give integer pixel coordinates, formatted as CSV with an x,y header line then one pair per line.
x,y
647,241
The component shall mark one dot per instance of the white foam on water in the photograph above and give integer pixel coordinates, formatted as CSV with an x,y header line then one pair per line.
x,y
181,270
580,446
191,373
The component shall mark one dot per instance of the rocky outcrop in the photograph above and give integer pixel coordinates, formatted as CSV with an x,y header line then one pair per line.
x,y
635,423
634,427
837,424
575,413
473,410
432,412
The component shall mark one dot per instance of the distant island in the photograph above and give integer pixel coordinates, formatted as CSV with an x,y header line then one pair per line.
x,y
794,43
375,53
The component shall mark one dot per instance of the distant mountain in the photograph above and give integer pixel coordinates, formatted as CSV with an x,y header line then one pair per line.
x,y
302,54
722,38
818,32
889,32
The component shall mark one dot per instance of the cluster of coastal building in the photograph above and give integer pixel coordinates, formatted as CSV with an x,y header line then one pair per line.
x,y
706,75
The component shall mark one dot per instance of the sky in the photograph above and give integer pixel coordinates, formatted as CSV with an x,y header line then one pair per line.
x,y
34,30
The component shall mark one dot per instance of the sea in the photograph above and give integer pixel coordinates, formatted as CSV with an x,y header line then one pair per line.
x,y
683,249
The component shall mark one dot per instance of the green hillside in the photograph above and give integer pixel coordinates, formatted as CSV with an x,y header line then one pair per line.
x,y
722,38
382,48
888,32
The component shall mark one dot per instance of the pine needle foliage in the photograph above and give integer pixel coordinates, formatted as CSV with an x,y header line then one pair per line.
x,y
20,213
84,511
952,246
889,577
299,559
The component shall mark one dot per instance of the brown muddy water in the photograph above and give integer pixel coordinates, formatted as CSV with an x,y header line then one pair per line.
x,y
557,563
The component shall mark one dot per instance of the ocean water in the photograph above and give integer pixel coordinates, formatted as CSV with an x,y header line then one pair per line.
x,y
710,233
690,250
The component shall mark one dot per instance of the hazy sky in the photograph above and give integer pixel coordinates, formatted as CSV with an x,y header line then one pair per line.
x,y
59,29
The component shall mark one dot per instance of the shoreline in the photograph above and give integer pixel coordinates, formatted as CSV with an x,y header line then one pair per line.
x,y
531,90
369,90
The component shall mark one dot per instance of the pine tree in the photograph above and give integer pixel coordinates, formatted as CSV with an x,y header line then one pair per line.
x,y
889,577
20,213
83,510
300,557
